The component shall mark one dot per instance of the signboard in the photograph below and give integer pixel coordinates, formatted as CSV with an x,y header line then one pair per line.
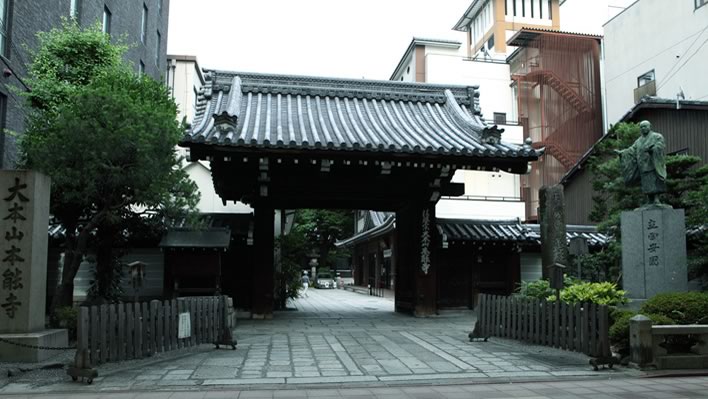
x,y
185,326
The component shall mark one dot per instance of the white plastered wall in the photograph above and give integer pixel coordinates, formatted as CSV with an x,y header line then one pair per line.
x,y
668,37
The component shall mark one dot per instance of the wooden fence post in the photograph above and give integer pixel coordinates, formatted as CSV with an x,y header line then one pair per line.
x,y
130,331
121,331
82,330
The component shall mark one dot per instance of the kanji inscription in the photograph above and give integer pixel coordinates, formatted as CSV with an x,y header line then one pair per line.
x,y
12,259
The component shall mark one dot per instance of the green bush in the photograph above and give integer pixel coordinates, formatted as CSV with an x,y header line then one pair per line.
x,y
66,317
540,289
619,331
683,307
604,293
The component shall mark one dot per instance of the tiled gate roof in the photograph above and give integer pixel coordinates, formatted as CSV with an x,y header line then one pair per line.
x,y
249,110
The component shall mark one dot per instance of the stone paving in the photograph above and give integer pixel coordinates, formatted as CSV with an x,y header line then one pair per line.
x,y
340,337
644,388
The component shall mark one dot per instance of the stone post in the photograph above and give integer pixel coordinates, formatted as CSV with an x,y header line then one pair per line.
x,y
554,244
640,340
24,221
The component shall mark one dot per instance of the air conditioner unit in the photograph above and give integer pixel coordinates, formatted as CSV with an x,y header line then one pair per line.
x,y
648,89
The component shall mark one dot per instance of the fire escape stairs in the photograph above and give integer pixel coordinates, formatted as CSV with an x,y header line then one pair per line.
x,y
561,87
554,146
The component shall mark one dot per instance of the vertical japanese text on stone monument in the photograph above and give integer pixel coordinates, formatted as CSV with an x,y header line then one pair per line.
x,y
12,256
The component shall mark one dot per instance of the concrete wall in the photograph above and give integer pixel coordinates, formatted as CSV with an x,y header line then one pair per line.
x,y
667,37
583,16
184,81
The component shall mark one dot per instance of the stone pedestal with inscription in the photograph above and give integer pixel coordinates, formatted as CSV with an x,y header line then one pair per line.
x,y
24,218
653,252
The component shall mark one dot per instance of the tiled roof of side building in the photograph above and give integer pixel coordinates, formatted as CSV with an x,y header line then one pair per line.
x,y
251,110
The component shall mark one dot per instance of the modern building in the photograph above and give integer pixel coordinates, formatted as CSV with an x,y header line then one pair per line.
x,y
142,24
655,48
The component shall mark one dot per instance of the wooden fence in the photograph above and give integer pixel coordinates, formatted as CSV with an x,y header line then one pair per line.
x,y
125,331
581,327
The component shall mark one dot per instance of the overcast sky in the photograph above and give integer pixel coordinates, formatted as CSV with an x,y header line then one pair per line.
x,y
338,38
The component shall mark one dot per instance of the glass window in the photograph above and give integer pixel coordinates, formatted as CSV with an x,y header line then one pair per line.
x,y
4,10
144,25
157,48
646,78
75,9
701,3
106,20
500,118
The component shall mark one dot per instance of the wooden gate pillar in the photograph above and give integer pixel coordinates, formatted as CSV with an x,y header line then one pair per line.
x,y
416,275
263,273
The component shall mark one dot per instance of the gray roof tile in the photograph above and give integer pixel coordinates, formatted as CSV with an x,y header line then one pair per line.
x,y
306,113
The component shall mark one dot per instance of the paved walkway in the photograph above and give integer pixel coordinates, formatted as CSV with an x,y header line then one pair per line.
x,y
657,388
338,338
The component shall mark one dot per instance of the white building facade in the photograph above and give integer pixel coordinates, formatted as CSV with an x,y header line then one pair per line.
x,y
656,48
185,80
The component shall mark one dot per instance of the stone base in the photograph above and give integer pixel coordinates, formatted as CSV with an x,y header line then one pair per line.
x,y
687,361
49,338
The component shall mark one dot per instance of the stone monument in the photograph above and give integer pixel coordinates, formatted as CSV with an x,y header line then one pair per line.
x,y
554,242
24,218
654,235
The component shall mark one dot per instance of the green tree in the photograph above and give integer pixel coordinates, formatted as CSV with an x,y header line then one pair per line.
x,y
684,186
107,139
321,229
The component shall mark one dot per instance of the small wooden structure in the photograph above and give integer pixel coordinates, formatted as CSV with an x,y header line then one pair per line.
x,y
193,260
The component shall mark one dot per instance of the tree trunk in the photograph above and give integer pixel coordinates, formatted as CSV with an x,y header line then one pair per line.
x,y
105,265
75,249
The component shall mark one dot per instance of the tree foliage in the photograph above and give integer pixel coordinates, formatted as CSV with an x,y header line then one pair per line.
x,y
107,139
687,188
321,229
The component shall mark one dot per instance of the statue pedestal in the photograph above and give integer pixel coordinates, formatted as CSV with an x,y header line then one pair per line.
x,y
653,252
46,338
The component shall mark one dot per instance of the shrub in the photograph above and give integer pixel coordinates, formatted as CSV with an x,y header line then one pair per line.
x,y
604,293
66,318
683,307
540,289
619,331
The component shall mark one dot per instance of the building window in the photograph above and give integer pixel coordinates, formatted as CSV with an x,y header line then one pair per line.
x,y
646,78
4,33
106,20
75,8
523,8
513,5
144,25
500,118
540,9
700,3
158,45
531,8
550,9
141,68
